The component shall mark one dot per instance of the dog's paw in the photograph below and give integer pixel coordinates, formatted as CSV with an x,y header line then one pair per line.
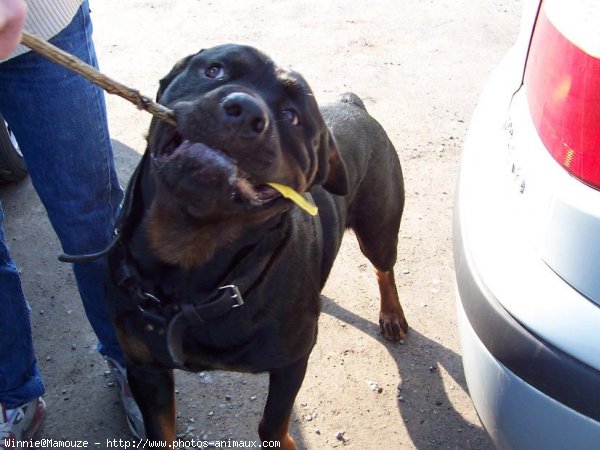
x,y
393,325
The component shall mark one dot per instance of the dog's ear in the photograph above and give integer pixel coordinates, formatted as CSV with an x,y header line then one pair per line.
x,y
332,170
176,70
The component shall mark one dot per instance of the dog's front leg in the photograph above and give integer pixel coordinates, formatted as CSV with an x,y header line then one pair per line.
x,y
284,384
154,392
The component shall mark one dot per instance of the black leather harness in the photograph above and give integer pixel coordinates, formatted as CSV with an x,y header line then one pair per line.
x,y
164,322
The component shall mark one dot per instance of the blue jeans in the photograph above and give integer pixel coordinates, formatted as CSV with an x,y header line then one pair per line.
x,y
59,120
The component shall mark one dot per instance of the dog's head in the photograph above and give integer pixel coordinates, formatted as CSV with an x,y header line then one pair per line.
x,y
242,122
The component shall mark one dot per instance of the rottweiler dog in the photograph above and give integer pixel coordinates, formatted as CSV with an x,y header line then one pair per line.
x,y
215,269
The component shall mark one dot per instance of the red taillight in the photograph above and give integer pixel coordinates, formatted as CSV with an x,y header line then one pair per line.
x,y
562,80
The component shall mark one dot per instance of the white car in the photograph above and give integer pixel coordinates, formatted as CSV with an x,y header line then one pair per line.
x,y
527,236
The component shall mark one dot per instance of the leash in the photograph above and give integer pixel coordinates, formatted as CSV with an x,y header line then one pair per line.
x,y
111,86
121,221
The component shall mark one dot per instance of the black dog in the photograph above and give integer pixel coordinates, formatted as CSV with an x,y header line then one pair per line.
x,y
213,268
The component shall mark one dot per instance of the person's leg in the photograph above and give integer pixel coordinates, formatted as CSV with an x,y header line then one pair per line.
x,y
59,120
20,379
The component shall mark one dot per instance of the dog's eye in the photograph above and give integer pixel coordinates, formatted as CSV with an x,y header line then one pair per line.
x,y
291,116
215,71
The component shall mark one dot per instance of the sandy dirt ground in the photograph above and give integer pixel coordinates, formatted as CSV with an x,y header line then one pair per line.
x,y
419,66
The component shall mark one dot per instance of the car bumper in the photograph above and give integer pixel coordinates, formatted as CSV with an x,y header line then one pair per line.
x,y
515,414
529,339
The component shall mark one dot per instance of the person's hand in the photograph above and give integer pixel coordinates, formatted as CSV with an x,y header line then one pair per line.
x,y
12,17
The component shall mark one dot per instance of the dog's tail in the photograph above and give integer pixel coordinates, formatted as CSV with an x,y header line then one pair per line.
x,y
353,99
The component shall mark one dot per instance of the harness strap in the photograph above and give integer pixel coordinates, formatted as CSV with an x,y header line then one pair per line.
x,y
164,325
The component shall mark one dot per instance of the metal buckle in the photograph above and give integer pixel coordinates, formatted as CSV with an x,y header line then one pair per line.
x,y
151,297
236,294
147,296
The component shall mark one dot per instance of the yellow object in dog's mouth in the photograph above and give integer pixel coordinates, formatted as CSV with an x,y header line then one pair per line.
x,y
291,194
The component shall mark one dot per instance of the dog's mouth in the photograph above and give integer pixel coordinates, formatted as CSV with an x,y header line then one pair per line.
x,y
176,158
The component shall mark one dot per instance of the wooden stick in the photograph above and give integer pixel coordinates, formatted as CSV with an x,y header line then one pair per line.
x,y
111,86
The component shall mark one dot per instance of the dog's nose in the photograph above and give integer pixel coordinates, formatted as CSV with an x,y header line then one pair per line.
x,y
245,113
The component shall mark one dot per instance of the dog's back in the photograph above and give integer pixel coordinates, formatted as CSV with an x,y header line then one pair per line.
x,y
375,201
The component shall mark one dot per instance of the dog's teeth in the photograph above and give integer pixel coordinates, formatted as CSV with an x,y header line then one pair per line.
x,y
246,189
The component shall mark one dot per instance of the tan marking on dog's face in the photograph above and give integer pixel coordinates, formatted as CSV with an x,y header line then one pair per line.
x,y
178,241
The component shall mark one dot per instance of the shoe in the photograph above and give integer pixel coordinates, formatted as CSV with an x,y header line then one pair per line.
x,y
132,411
21,423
